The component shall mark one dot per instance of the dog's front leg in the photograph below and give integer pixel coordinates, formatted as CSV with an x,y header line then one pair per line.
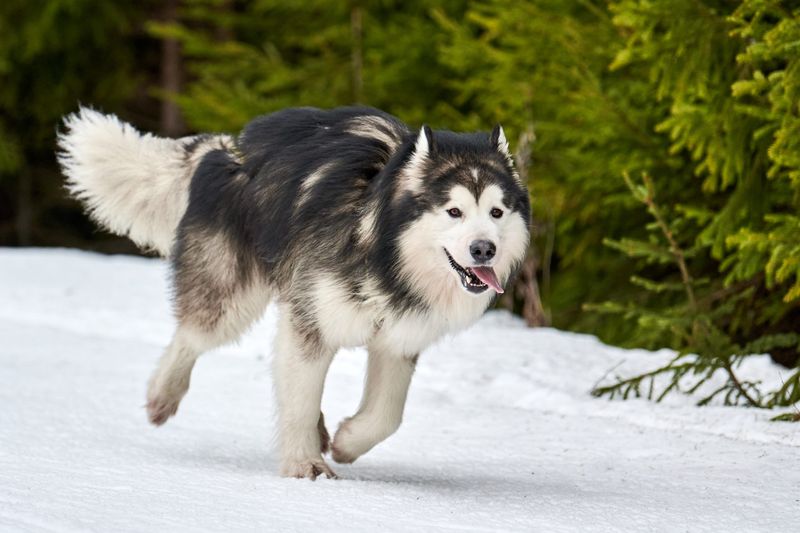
x,y
382,404
299,368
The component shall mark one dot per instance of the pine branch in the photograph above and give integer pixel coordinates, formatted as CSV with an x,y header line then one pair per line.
x,y
648,198
739,387
701,328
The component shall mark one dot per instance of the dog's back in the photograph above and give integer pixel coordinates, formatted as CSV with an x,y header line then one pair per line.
x,y
297,177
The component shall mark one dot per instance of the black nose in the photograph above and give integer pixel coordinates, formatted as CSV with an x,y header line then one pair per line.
x,y
482,251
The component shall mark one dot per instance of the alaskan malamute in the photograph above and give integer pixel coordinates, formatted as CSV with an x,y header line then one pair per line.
x,y
362,231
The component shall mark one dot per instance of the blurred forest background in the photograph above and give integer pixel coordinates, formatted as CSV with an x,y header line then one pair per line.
x,y
661,139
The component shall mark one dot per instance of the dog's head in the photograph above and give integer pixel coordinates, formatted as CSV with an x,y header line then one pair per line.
x,y
471,225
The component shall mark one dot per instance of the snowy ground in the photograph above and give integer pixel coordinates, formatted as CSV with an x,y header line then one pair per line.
x,y
500,433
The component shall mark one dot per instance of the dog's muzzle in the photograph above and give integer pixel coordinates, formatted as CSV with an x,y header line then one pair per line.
x,y
475,279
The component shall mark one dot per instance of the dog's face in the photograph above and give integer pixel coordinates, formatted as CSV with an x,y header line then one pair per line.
x,y
480,232
472,232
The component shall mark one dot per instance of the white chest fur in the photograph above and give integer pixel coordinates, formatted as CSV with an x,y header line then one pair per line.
x,y
410,333
347,322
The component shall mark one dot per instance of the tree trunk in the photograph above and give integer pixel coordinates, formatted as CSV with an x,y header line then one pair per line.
x,y
171,120
223,33
527,286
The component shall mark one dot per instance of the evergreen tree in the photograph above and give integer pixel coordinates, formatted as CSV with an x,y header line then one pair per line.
x,y
700,325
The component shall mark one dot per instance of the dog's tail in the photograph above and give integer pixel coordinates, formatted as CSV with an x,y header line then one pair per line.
x,y
131,183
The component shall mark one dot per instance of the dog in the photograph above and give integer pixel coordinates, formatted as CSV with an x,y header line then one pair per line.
x,y
364,232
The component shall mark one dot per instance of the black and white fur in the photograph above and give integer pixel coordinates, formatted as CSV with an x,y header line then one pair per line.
x,y
362,231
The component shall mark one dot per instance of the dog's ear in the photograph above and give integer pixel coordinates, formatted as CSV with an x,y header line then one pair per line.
x,y
498,140
413,173
424,145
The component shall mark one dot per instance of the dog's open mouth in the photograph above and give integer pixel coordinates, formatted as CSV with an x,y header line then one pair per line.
x,y
475,279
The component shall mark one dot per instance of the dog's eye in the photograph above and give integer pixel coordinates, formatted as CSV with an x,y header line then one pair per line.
x,y
454,212
496,213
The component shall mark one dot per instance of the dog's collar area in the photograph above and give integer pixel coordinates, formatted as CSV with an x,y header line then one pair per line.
x,y
469,280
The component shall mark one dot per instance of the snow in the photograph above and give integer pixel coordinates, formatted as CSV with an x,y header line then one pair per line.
x,y
500,433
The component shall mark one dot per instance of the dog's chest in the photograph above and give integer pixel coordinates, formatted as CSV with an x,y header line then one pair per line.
x,y
345,323
410,333
348,324
370,320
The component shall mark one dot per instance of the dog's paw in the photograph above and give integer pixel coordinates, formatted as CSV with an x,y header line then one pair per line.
x,y
359,434
342,448
309,468
341,456
161,408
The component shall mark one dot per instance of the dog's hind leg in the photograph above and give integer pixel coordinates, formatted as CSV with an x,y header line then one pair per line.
x,y
300,365
218,295
170,381
381,410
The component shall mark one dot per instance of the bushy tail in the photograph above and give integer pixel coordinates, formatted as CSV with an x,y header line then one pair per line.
x,y
131,183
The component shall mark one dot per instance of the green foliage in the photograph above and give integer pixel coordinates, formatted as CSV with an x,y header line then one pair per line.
x,y
272,54
53,55
775,251
771,93
698,326
733,116
42,71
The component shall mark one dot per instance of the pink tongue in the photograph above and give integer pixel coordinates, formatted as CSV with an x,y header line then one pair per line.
x,y
487,275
